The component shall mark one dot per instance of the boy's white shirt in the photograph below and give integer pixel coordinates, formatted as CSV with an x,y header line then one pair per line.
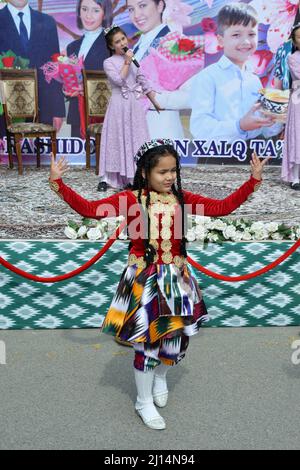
x,y
220,96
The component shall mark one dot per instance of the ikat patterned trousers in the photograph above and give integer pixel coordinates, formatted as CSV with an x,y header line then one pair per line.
x,y
169,351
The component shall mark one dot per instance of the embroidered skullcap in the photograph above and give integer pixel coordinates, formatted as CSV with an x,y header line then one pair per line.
x,y
151,144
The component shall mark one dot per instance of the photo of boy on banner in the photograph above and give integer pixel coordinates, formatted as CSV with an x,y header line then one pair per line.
x,y
225,95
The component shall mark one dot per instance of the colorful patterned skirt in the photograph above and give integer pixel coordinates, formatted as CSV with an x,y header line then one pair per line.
x,y
160,301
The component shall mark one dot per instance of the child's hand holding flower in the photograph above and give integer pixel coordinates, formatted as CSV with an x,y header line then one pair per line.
x,y
58,169
257,166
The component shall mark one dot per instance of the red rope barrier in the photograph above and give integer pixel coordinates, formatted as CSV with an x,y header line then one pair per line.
x,y
79,270
245,277
112,239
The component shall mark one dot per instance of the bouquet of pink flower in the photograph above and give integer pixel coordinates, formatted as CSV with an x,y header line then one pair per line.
x,y
66,70
176,59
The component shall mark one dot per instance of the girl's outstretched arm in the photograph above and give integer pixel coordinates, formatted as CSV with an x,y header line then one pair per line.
x,y
112,206
198,204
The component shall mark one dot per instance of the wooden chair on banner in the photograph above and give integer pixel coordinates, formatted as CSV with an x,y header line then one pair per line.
x,y
20,102
97,93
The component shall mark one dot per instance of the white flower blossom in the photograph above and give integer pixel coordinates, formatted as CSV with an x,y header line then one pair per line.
x,y
237,237
261,234
246,236
94,234
191,236
82,231
257,226
70,233
200,232
229,232
272,227
218,225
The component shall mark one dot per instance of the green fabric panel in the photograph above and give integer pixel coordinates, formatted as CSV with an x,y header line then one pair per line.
x,y
81,302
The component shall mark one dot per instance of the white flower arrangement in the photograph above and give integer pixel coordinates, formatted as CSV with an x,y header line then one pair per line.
x,y
207,229
200,228
93,230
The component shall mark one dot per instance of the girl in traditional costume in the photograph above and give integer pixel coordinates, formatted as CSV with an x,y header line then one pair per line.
x,y
158,304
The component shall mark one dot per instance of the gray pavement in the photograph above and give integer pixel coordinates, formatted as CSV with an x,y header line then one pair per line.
x,y
73,389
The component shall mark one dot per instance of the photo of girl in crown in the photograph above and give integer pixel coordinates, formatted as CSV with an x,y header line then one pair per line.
x,y
92,16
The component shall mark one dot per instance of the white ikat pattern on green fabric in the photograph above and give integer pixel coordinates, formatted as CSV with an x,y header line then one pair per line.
x,y
82,302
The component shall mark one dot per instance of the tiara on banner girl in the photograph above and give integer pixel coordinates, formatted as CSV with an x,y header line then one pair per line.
x,y
108,30
151,144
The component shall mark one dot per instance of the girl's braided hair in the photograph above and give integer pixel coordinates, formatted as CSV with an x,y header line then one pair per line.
x,y
147,161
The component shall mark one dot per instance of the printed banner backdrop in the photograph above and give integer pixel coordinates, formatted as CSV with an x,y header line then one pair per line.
x,y
199,92
82,302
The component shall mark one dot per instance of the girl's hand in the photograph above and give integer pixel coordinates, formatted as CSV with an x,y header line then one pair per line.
x,y
157,106
57,169
257,166
151,95
129,55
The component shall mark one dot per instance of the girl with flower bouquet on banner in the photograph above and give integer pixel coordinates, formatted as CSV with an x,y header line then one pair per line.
x,y
168,59
92,17
158,304
291,149
125,127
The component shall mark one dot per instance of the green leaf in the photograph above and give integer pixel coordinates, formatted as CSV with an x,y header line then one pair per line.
x,y
174,49
86,221
73,224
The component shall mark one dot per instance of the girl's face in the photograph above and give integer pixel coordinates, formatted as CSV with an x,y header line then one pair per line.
x,y
119,41
91,15
145,14
296,39
163,175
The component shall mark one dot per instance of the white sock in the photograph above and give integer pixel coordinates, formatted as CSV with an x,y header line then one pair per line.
x,y
144,403
160,379
296,174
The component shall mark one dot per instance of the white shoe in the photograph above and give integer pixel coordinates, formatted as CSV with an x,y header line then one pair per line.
x,y
144,405
161,399
154,422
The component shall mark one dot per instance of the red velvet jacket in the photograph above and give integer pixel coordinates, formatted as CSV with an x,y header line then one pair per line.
x,y
165,214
